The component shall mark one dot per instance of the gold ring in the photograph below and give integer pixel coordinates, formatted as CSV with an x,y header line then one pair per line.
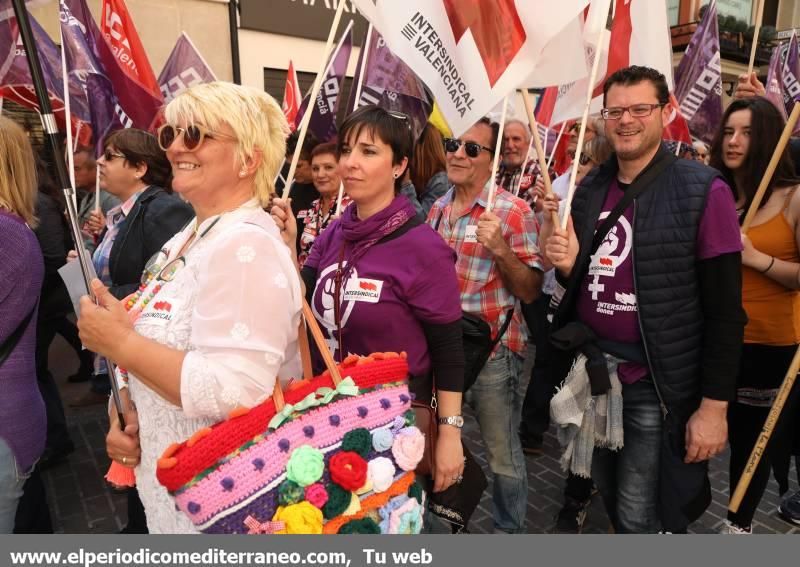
x,y
124,460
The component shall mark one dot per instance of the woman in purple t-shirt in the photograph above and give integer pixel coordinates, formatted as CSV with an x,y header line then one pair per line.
x,y
379,280
22,417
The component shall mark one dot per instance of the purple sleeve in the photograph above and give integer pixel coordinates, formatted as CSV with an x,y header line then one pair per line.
x,y
434,296
719,228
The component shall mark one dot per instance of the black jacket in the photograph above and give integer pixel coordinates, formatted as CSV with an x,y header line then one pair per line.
x,y
673,297
155,218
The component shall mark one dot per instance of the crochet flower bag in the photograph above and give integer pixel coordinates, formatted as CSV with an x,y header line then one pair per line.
x,y
329,455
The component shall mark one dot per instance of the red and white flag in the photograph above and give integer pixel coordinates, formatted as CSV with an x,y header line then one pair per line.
x,y
472,53
291,97
639,36
117,28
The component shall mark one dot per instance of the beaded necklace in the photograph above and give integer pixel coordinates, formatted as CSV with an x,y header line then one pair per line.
x,y
163,276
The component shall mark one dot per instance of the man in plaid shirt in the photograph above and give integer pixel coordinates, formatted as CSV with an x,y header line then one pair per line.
x,y
498,263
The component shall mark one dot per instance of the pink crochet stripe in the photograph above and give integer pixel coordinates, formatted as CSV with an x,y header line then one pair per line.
x,y
213,497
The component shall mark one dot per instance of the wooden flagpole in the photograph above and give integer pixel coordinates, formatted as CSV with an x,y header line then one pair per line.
x,y
756,31
766,433
496,162
359,86
555,146
582,133
301,138
548,187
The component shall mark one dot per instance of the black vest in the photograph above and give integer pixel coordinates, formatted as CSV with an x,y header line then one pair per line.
x,y
666,220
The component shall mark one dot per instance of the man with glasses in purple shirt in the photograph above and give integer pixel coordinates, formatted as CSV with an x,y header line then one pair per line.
x,y
655,295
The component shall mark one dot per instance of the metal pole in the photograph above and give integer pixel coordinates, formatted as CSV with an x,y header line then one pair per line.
x,y
234,27
51,133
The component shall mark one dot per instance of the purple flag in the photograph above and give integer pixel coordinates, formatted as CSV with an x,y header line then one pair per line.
x,y
388,82
698,79
184,68
323,118
783,78
89,53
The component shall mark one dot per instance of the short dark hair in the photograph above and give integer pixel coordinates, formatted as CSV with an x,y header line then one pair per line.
x,y
495,130
766,127
309,143
324,148
635,74
140,147
392,128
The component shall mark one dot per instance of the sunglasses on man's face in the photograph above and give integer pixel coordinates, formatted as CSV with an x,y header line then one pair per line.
x,y
472,149
193,136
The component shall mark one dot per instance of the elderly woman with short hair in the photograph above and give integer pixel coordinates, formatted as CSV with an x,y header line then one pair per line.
x,y
214,323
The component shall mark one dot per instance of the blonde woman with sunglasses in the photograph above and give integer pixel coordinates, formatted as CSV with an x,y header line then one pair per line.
x,y
214,322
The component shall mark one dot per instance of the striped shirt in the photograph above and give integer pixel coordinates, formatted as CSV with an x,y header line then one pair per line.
x,y
483,292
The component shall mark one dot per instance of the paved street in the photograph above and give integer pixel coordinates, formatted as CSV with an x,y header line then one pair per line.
x,y
81,501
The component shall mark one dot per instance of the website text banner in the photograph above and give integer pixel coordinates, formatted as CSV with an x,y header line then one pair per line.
x,y
364,550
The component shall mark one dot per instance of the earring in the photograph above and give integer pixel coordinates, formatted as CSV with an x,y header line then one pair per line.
x,y
396,175
242,172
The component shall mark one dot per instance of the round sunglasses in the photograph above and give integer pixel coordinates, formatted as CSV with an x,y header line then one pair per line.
x,y
193,136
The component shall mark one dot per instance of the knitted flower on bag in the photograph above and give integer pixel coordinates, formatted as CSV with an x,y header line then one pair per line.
x,y
381,473
305,465
349,470
290,493
302,518
362,526
317,495
338,501
358,441
408,448
382,440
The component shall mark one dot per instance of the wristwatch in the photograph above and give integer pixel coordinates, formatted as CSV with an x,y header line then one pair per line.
x,y
454,420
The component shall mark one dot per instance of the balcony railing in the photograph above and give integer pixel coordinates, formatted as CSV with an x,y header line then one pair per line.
x,y
734,46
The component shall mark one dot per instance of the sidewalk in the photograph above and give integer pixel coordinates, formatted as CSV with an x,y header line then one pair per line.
x,y
82,502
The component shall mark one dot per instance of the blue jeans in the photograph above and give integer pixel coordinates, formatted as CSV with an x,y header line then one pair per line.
x,y
11,483
628,478
497,401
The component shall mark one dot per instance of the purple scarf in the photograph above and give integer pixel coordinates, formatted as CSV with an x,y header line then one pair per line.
x,y
362,234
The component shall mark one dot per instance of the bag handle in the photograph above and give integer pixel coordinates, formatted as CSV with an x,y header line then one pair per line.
x,y
308,321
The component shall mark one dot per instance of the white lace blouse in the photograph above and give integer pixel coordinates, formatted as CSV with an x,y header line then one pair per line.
x,y
235,309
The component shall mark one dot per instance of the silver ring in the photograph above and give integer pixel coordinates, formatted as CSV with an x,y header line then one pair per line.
x,y
459,478
124,460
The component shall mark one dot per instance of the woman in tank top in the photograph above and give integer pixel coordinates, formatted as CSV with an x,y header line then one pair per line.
x,y
741,150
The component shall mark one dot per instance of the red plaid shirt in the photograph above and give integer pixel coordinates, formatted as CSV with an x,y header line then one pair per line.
x,y
483,292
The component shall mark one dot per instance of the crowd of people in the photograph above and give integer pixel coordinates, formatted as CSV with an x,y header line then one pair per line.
x,y
650,333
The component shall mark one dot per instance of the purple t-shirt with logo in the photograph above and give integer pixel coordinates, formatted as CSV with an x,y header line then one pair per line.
x,y
607,299
395,287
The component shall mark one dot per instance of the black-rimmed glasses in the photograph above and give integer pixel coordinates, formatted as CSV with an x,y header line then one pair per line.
x,y
635,110
472,149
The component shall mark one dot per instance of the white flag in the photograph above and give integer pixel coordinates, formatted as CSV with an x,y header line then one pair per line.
x,y
472,53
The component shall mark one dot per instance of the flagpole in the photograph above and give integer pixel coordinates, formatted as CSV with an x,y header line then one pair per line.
x,y
51,133
756,30
678,149
359,86
233,24
548,187
576,161
496,162
67,118
524,166
312,98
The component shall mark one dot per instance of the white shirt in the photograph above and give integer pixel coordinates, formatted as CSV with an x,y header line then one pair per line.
x,y
235,308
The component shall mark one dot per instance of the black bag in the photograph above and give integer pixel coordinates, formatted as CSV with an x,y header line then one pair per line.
x,y
478,344
457,504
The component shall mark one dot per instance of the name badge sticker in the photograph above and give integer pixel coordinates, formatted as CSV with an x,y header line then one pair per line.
x,y
471,234
362,289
